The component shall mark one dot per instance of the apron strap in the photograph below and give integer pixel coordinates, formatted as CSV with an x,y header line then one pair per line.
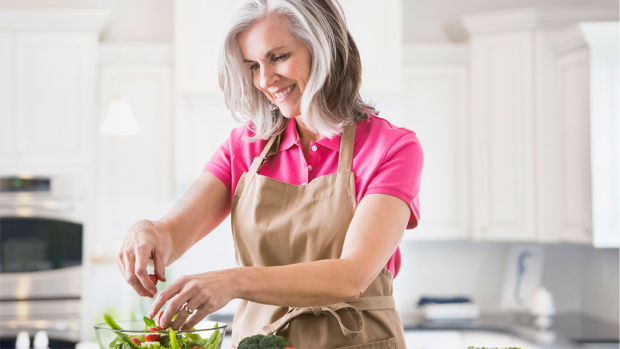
x,y
258,161
347,141
356,307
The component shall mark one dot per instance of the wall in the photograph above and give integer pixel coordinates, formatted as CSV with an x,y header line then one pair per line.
x,y
600,277
423,21
580,278
141,20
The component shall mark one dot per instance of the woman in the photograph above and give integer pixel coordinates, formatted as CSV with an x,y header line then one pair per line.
x,y
320,191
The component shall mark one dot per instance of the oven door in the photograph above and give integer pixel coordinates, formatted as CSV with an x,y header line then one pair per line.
x,y
40,268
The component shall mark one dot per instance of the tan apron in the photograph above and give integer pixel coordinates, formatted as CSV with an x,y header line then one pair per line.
x,y
276,223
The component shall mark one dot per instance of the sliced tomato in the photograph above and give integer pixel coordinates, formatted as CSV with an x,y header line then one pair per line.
x,y
153,337
159,321
136,340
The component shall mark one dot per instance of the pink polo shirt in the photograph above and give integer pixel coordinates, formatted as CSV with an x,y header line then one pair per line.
x,y
386,160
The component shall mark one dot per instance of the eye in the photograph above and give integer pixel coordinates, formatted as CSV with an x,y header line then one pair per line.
x,y
252,67
280,58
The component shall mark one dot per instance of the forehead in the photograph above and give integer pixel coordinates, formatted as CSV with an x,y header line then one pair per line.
x,y
264,35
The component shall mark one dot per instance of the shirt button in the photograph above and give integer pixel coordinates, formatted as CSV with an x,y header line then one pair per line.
x,y
309,167
313,148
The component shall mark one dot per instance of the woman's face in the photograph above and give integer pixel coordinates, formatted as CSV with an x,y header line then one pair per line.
x,y
279,62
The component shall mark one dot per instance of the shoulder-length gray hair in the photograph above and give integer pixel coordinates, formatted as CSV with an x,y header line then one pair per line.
x,y
331,99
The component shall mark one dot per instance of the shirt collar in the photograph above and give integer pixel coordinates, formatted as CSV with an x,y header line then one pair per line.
x,y
291,137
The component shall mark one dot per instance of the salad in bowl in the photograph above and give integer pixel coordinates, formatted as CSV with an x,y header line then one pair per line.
x,y
146,334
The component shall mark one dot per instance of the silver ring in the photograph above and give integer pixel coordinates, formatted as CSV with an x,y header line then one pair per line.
x,y
190,312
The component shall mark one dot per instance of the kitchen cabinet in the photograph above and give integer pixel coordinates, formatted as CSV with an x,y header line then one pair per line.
x,y
583,185
47,56
436,88
6,97
509,64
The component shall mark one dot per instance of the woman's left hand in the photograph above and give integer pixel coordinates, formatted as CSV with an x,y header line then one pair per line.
x,y
204,294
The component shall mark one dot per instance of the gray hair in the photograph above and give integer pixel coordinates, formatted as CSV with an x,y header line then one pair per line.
x,y
331,99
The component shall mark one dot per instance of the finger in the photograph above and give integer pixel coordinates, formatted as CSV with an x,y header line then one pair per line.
x,y
142,273
191,304
194,319
175,307
164,296
159,264
120,263
131,278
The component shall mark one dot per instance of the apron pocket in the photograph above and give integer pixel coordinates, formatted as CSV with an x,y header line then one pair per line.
x,y
384,344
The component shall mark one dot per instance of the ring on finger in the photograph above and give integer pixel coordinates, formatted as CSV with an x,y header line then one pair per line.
x,y
190,312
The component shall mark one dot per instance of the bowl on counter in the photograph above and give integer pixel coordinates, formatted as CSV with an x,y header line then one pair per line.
x,y
206,335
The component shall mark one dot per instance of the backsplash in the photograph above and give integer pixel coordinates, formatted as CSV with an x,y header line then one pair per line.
x,y
581,278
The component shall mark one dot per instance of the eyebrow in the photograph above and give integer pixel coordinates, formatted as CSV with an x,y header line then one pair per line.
x,y
266,54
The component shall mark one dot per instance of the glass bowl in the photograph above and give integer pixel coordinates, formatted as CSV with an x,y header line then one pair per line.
x,y
206,336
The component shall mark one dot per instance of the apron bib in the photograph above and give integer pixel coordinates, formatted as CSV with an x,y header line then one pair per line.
x,y
276,223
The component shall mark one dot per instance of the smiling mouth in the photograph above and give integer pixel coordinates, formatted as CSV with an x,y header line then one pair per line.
x,y
284,93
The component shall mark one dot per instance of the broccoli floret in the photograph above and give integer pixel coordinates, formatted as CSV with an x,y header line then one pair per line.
x,y
271,341
252,342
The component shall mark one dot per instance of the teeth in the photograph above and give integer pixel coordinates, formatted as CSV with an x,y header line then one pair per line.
x,y
282,94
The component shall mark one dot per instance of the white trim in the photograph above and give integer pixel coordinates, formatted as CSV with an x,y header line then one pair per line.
x,y
136,53
54,19
414,54
548,17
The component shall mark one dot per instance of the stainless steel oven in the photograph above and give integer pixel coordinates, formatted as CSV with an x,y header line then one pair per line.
x,y
41,244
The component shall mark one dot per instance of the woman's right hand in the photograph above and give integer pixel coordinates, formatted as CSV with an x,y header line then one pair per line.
x,y
143,245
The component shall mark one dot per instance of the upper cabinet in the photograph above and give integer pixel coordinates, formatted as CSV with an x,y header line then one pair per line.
x,y
511,82
6,97
584,133
436,95
48,64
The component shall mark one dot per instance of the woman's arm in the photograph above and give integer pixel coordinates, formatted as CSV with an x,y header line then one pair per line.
x,y
375,231
202,208
373,235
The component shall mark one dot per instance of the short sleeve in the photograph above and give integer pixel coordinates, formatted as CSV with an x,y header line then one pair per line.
x,y
220,164
399,174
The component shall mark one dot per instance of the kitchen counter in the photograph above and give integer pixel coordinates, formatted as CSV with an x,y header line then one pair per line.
x,y
568,330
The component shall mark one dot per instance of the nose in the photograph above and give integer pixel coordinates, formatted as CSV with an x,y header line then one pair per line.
x,y
267,78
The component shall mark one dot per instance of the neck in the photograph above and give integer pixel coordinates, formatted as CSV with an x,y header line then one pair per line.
x,y
305,135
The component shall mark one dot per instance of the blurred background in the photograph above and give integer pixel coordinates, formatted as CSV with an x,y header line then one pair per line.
x,y
110,109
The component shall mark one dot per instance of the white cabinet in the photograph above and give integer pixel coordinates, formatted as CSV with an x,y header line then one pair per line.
x,y
435,99
502,138
6,97
509,62
585,141
47,80
54,95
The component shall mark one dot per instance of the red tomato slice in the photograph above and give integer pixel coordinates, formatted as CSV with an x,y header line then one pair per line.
x,y
159,321
154,337
136,340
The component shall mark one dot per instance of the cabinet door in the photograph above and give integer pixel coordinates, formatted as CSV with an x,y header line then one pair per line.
x,y
571,217
436,109
54,96
6,96
503,137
